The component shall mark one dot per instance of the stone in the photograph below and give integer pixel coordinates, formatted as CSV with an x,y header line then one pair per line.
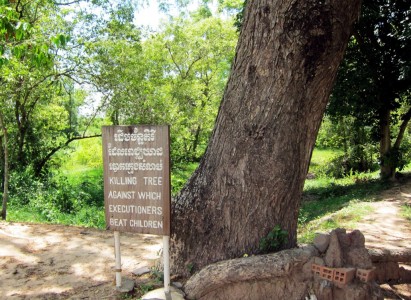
x,y
358,258
321,241
392,271
333,257
141,271
159,294
319,261
127,285
343,238
177,285
405,273
357,239
325,290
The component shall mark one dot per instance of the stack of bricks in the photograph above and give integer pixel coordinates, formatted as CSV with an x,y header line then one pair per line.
x,y
342,276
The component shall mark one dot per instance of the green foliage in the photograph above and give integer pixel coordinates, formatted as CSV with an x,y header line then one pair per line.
x,y
346,216
180,173
406,211
274,240
359,153
176,76
143,289
190,268
37,98
320,158
396,158
157,275
373,83
56,200
333,134
357,160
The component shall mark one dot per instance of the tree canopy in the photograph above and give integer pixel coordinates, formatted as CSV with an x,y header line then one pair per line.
x,y
374,81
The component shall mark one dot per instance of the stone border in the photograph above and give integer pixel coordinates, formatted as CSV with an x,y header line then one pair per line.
x,y
259,267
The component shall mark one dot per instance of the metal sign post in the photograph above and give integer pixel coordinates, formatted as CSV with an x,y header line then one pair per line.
x,y
118,258
166,257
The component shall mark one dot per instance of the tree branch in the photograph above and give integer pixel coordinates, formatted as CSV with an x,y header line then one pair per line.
x,y
405,120
53,151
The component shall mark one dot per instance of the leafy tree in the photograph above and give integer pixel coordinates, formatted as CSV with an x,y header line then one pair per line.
x,y
43,62
374,83
176,76
252,174
198,54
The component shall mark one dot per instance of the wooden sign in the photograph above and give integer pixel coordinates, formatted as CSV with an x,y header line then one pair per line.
x,y
137,178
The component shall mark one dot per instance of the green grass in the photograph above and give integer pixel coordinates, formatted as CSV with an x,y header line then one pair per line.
x,y
321,157
406,212
87,216
347,215
329,203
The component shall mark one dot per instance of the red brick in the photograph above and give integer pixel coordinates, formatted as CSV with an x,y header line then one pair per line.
x,y
323,272
365,275
316,269
343,276
327,273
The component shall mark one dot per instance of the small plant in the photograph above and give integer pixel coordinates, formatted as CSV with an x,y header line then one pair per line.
x,y
144,288
406,211
274,240
190,268
157,275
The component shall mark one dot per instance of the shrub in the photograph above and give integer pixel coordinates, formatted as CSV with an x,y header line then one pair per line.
x,y
358,159
274,241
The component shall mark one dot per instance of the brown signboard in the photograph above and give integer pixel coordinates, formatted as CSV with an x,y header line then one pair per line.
x,y
137,178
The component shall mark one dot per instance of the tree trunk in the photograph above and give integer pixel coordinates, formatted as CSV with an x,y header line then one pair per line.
x,y
5,171
387,170
252,175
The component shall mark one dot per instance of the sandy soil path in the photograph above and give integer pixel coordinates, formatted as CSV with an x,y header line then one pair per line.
x,y
385,228
60,262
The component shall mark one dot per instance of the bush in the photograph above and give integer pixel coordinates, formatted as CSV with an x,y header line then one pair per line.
x,y
54,196
359,159
274,241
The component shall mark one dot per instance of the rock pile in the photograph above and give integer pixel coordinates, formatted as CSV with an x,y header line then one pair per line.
x,y
342,266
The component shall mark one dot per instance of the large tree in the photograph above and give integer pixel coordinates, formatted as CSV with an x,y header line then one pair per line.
x,y
252,174
374,81
44,58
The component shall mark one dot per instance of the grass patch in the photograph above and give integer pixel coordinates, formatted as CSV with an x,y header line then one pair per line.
x,y
406,211
25,214
322,157
346,217
87,216
329,203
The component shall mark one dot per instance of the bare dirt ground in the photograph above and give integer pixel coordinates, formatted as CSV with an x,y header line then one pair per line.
x,y
384,228
61,262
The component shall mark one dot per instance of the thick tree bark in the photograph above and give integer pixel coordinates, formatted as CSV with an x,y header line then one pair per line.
x,y
387,171
5,171
252,174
